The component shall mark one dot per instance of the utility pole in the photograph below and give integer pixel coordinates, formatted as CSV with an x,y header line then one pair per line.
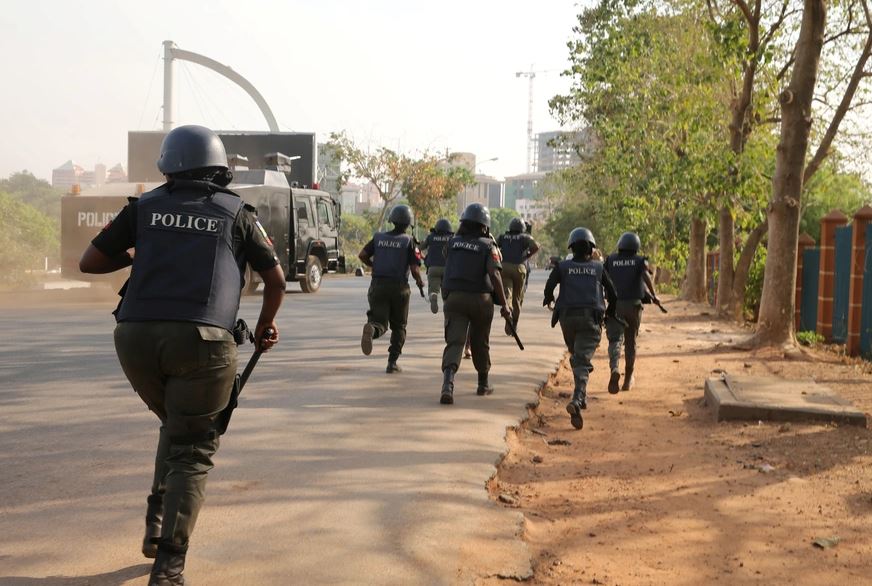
x,y
530,75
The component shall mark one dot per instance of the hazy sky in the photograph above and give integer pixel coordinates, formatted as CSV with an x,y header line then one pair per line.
x,y
408,74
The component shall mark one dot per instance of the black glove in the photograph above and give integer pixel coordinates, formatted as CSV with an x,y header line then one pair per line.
x,y
547,301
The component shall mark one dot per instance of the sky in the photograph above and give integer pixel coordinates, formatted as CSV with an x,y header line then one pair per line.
x,y
408,75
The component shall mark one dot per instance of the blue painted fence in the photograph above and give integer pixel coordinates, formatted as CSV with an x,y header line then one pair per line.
x,y
811,268
866,312
842,285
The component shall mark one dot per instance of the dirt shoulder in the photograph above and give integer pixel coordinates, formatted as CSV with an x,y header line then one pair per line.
x,y
654,491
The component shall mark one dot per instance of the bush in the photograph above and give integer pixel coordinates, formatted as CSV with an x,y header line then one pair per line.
x,y
809,338
27,236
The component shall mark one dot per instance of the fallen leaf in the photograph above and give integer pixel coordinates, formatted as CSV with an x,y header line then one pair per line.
x,y
826,542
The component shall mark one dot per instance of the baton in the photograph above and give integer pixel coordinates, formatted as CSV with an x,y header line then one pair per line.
x,y
658,304
421,289
224,417
514,332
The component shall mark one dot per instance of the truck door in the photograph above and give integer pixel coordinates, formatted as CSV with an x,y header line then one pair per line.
x,y
306,228
327,229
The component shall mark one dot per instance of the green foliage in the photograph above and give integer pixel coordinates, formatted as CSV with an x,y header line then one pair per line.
x,y
754,287
831,190
27,236
357,230
37,193
809,338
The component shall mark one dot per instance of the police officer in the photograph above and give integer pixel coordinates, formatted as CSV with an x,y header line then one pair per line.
x,y
472,279
392,256
434,245
516,247
580,309
629,272
193,238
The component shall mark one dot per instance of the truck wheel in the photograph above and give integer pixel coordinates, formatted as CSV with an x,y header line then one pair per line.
x,y
311,280
250,284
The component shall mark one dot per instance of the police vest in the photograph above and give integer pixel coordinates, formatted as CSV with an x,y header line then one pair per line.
x,y
436,249
466,265
626,274
391,256
513,247
184,268
581,285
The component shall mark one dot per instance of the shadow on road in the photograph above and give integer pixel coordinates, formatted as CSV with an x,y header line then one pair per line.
x,y
115,578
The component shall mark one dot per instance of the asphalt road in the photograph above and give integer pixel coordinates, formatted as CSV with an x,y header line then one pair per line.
x,y
332,472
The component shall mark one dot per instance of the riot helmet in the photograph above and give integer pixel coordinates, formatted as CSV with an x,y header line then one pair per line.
x,y
478,214
630,242
581,235
401,214
443,225
191,147
516,225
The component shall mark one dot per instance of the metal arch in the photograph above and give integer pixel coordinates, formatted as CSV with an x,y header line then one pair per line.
x,y
174,52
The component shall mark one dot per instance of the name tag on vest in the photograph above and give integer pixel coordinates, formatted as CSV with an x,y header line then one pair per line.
x,y
624,263
391,244
185,222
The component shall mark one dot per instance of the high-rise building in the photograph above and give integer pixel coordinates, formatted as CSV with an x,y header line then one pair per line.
x,y
67,175
558,149
527,186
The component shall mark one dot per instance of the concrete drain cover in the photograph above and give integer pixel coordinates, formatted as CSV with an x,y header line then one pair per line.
x,y
774,399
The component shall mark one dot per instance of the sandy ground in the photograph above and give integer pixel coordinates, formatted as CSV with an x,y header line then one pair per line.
x,y
654,491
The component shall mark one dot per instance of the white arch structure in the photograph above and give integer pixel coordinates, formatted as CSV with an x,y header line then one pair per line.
x,y
172,52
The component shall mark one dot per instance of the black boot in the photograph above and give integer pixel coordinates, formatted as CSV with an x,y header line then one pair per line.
x,y
484,387
447,397
392,365
628,379
614,382
153,519
575,407
168,566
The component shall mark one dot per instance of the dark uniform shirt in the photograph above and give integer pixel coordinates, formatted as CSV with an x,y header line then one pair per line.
x,y
469,262
514,246
412,256
250,242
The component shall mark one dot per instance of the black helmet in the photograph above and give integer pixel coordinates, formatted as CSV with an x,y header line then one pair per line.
x,y
191,147
581,235
516,225
443,225
401,214
475,212
629,241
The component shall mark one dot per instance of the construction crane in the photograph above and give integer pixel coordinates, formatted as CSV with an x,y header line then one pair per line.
x,y
531,75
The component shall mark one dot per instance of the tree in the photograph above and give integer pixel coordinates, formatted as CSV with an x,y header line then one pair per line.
x,y
38,193
27,236
776,323
384,168
430,183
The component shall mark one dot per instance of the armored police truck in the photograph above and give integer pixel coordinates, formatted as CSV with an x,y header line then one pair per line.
x,y
303,225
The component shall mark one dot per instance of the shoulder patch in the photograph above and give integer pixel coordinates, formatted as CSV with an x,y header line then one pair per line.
x,y
262,231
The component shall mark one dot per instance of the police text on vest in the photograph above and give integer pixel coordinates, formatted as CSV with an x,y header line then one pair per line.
x,y
185,222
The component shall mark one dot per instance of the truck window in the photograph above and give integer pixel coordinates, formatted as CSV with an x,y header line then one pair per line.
x,y
302,213
324,215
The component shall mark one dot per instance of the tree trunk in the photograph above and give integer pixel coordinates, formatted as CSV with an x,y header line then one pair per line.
x,y
775,326
726,244
694,283
743,269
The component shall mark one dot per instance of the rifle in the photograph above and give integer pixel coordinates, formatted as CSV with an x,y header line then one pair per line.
x,y
650,299
241,333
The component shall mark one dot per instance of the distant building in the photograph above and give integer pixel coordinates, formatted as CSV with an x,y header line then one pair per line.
x,y
558,149
528,186
67,175
117,174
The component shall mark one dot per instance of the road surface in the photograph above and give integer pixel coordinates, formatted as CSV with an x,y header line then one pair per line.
x,y
332,472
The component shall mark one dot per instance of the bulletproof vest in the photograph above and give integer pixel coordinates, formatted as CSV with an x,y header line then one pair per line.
x,y
513,246
184,268
436,249
626,274
391,256
581,284
466,265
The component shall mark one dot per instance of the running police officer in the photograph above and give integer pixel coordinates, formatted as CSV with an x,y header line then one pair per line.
x,y
434,245
392,255
516,246
193,238
629,273
580,309
472,279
